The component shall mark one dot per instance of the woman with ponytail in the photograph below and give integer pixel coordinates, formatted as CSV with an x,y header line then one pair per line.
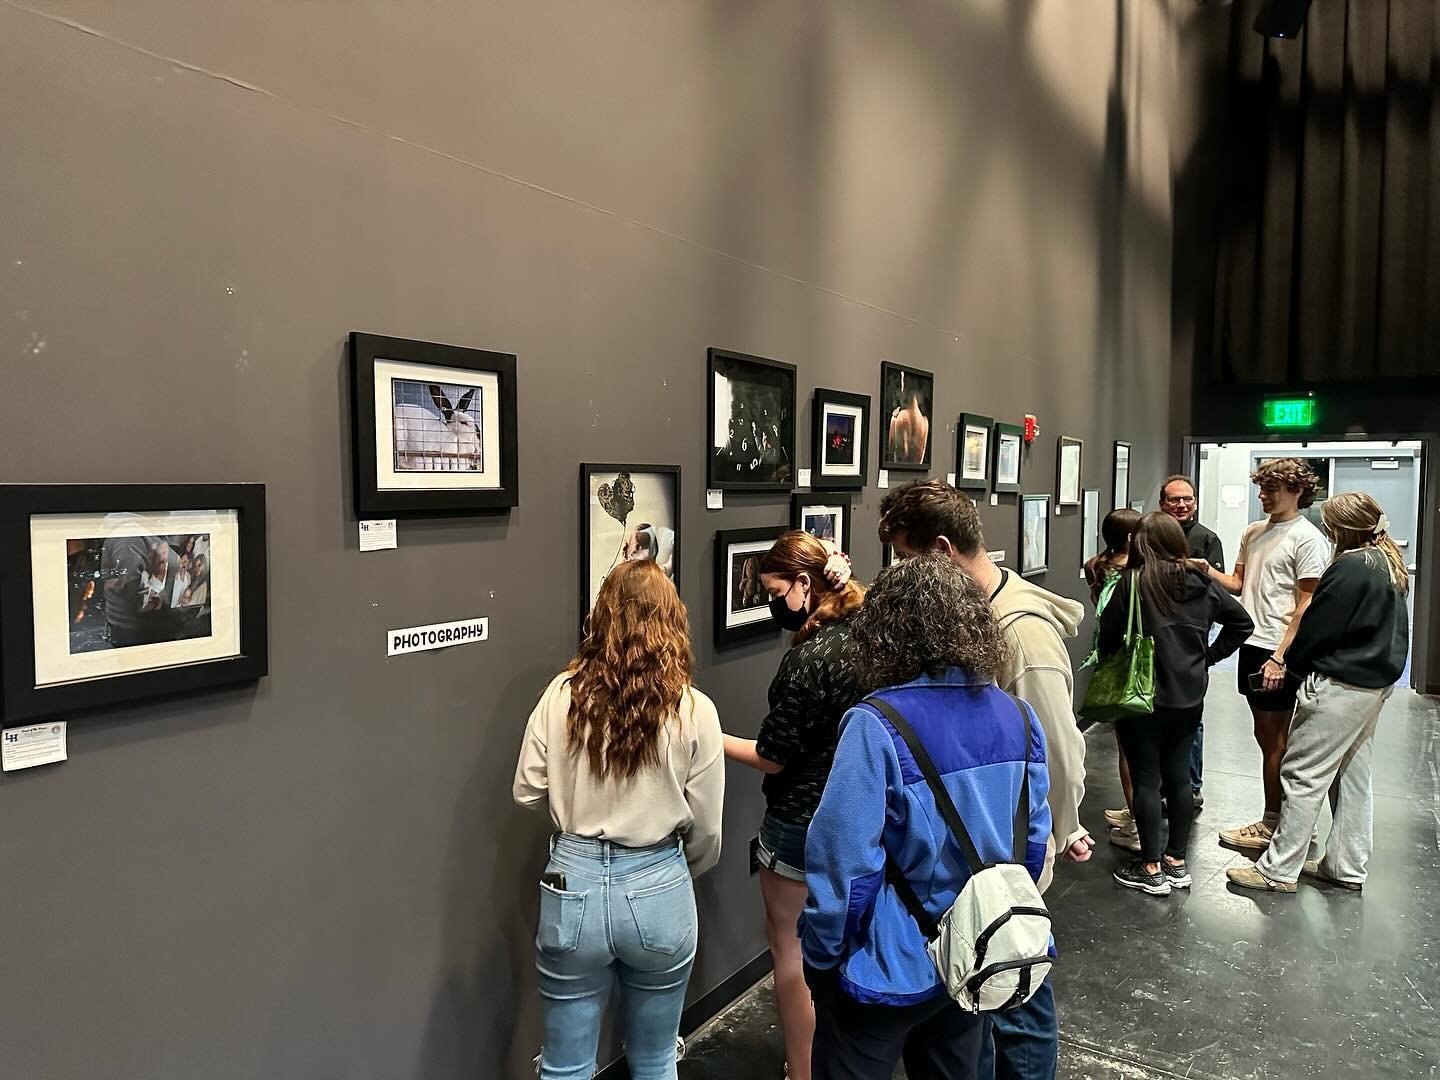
x,y
1350,650
812,596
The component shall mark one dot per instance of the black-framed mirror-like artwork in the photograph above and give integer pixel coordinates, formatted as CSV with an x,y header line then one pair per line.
x,y
434,428
627,512
1069,462
752,423
114,593
1009,442
1034,535
742,607
907,403
1120,487
972,452
825,517
840,455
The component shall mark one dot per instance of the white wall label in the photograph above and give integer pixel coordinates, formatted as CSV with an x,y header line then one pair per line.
x,y
38,744
377,535
882,478
804,478
996,556
438,636
714,500
994,499
950,478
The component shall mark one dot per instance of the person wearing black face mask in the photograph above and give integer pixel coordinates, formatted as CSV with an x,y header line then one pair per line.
x,y
812,596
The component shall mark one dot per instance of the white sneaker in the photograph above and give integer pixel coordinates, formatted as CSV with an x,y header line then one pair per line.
x,y
1119,819
1129,839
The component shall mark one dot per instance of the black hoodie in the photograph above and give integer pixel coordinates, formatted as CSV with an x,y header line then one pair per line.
x,y
1183,653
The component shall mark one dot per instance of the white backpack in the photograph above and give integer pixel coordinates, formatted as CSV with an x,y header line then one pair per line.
x,y
991,947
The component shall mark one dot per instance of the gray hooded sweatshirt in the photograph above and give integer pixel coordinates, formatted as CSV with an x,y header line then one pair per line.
x,y
1035,624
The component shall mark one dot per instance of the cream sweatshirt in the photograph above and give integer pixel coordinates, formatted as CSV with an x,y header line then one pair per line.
x,y
684,795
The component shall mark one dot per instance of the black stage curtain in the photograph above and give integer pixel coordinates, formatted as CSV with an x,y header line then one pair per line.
x,y
1329,248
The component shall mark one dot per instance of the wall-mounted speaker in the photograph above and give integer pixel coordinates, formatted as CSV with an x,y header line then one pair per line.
x,y
1281,18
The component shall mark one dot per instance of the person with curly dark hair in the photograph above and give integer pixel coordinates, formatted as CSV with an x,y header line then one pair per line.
x,y
1277,569
927,646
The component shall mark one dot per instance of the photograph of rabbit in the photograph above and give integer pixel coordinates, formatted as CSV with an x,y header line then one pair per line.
x,y
438,427
137,590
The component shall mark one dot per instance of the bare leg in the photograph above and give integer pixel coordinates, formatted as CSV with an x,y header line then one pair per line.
x,y
1272,733
784,900
1125,783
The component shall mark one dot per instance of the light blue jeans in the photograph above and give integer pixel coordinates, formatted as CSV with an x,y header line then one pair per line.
x,y
626,914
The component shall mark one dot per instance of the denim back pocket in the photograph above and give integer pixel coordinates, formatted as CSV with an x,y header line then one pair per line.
x,y
561,916
665,916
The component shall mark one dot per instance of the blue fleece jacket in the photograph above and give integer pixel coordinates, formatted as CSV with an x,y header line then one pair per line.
x,y
876,801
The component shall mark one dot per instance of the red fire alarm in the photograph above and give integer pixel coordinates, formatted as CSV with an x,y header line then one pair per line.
x,y
1032,428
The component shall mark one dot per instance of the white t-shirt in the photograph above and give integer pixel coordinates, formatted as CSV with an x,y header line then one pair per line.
x,y
1276,558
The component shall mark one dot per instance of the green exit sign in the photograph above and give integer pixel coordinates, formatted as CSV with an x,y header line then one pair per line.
x,y
1289,414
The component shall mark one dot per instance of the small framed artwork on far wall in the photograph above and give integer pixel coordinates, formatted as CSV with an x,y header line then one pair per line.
x,y
973,458
907,404
627,512
1120,495
1034,535
825,517
1068,471
742,607
841,452
1009,440
751,445
1089,527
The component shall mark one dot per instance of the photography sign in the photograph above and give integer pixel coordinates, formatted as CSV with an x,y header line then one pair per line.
x,y
438,636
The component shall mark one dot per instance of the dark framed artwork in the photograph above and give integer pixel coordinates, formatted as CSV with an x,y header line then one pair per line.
x,y
1034,535
907,404
826,517
742,607
1089,527
1120,489
1009,440
752,423
434,428
840,456
973,455
115,593
887,554
1068,470
627,512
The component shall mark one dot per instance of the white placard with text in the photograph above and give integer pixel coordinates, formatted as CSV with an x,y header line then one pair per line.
x,y
437,636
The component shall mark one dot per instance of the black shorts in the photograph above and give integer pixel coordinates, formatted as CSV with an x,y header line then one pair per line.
x,y
1252,659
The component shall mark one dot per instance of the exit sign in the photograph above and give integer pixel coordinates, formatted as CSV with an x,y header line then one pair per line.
x,y
1289,414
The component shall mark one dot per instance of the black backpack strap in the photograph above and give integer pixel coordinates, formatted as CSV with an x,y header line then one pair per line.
x,y
1022,809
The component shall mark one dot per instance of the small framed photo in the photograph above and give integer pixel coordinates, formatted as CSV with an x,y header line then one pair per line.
x,y
1034,535
907,404
1009,440
434,428
742,607
1121,485
825,517
1089,527
1068,471
841,454
627,512
973,457
1138,505
752,423
117,593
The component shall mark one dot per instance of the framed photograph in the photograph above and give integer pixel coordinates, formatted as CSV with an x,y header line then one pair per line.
x,y
1121,489
826,517
114,593
973,457
1138,505
1067,480
752,423
907,403
1089,527
841,453
627,512
742,607
887,555
1009,440
1034,535
434,428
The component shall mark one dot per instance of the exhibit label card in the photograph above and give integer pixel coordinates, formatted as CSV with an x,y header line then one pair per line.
x,y
38,744
882,478
950,478
377,535
996,556
714,500
437,636
804,478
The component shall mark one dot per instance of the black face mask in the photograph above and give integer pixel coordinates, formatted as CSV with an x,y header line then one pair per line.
x,y
785,615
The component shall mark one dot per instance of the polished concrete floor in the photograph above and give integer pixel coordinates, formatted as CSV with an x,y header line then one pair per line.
x,y
1220,984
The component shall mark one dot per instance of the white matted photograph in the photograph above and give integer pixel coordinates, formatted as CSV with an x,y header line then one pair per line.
x,y
1067,485
1121,491
742,606
825,517
840,450
1034,535
1009,441
1089,527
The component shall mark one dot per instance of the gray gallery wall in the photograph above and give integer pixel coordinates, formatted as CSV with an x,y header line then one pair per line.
x,y
324,876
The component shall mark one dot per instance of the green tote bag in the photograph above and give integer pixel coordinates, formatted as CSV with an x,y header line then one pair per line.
x,y
1124,682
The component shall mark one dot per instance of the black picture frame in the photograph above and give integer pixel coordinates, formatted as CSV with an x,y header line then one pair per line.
x,y
970,483
371,500
718,459
802,501
886,408
1005,487
588,471
820,480
1121,498
887,554
725,540
21,700
1028,570
1060,446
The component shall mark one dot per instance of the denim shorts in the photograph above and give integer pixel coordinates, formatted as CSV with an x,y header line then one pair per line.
x,y
782,847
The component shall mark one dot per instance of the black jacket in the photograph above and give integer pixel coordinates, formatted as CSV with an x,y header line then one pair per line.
x,y
1183,653
1204,544
1357,628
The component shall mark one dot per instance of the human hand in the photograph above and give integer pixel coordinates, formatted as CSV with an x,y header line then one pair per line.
x,y
1080,850
837,570
1273,675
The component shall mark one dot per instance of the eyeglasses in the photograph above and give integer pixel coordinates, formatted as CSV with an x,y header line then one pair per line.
x,y
1179,498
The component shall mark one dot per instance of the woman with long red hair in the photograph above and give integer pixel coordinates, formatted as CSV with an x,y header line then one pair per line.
x,y
628,755
811,594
